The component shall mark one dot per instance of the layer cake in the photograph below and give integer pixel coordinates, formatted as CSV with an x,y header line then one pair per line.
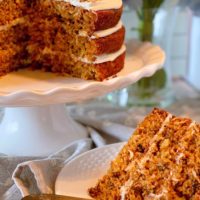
x,y
83,38
161,161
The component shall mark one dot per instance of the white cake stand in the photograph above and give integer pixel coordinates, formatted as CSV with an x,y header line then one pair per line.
x,y
35,122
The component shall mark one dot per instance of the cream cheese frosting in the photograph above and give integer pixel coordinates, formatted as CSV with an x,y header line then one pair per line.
x,y
103,33
96,5
105,57
124,189
99,59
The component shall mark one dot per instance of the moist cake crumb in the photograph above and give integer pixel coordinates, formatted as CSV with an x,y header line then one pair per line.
x,y
160,161
48,35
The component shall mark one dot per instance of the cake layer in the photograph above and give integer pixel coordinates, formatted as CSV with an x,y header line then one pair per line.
x,y
107,18
10,10
59,62
13,54
15,32
12,58
111,43
110,68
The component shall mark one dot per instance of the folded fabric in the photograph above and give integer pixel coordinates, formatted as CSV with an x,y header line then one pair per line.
x,y
98,140
38,176
118,131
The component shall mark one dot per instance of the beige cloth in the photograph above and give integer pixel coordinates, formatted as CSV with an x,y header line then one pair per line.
x,y
39,176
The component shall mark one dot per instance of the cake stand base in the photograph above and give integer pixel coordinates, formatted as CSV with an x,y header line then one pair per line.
x,y
37,131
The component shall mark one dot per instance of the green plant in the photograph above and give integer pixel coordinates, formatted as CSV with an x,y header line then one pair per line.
x,y
146,13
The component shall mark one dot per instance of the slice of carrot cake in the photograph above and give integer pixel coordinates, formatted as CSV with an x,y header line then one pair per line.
x,y
160,161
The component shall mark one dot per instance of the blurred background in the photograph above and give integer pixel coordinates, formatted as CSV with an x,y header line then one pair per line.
x,y
174,25
184,18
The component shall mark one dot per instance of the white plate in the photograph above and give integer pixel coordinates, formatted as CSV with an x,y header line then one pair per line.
x,y
24,88
84,171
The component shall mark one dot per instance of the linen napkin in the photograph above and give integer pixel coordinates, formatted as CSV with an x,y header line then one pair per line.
x,y
38,176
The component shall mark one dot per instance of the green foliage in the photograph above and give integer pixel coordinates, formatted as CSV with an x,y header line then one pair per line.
x,y
149,5
152,4
150,85
146,14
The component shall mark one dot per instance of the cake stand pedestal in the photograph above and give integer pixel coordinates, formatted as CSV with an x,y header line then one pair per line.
x,y
37,131
35,121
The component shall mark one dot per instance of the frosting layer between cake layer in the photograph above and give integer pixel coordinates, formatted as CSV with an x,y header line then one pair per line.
x,y
105,57
103,33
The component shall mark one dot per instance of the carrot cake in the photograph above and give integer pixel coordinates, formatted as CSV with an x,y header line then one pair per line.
x,y
161,161
83,38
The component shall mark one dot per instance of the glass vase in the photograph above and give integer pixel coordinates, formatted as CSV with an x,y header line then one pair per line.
x,y
156,26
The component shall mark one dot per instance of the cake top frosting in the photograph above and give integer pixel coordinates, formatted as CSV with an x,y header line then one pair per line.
x,y
96,5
